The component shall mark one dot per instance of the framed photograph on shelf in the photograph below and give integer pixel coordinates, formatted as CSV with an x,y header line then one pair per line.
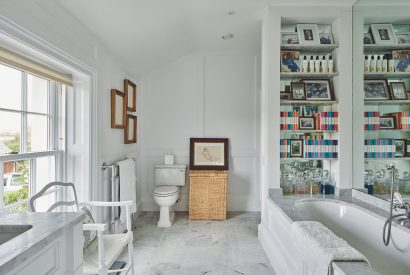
x,y
308,34
297,90
130,131
403,37
130,90
289,38
209,154
306,123
383,34
368,39
310,110
289,61
118,109
400,145
401,60
318,89
296,148
285,96
376,89
326,38
298,109
387,123
398,91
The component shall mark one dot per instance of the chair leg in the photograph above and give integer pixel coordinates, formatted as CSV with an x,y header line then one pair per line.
x,y
131,257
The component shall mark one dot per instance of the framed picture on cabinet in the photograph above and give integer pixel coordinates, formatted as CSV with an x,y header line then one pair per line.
x,y
296,148
398,90
383,34
285,96
306,123
290,62
118,109
326,38
400,145
308,34
209,154
289,38
401,60
130,90
376,89
130,132
387,123
298,90
318,89
368,39
403,37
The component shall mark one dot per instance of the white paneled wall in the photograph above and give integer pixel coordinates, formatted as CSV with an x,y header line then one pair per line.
x,y
203,95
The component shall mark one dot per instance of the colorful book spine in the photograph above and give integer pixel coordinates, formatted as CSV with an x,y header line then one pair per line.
x,y
285,148
371,121
379,148
320,148
289,120
402,119
327,121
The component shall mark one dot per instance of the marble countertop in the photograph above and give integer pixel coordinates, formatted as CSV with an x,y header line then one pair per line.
x,y
46,228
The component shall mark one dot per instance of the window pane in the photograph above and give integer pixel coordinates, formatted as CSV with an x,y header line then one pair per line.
x,y
37,133
9,133
10,88
37,94
16,183
45,173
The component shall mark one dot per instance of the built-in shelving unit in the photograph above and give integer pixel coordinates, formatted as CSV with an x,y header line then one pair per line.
x,y
386,102
380,75
323,49
308,102
307,75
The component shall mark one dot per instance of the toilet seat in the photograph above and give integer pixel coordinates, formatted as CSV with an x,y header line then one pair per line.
x,y
165,191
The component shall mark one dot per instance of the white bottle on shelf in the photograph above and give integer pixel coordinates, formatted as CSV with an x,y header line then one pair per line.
x,y
366,64
372,64
390,63
330,64
317,64
311,65
305,64
379,64
324,64
384,64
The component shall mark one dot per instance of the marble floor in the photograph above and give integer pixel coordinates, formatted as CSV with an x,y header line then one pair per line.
x,y
200,247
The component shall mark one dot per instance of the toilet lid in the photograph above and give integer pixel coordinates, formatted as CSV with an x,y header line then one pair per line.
x,y
165,190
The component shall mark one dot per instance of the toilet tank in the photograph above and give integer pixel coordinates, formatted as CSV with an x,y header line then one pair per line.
x,y
170,175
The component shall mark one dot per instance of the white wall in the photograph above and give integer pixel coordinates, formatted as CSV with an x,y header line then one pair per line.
x,y
50,22
203,95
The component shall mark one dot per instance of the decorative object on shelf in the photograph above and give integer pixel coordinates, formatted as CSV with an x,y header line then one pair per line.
x,y
289,120
209,154
118,109
387,123
298,90
296,148
308,34
401,60
130,90
383,34
290,61
310,110
367,39
130,131
403,37
376,89
326,38
327,121
371,121
398,90
318,89
289,38
306,123
379,148
285,96
400,148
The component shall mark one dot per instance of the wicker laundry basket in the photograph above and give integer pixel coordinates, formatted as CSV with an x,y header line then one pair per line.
x,y
207,194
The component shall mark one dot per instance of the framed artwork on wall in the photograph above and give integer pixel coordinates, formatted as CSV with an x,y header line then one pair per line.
x,y
209,154
383,34
118,109
130,131
130,90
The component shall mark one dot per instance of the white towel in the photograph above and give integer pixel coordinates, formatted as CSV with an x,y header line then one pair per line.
x,y
127,185
319,247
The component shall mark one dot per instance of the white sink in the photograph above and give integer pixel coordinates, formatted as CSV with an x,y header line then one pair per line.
x,y
8,232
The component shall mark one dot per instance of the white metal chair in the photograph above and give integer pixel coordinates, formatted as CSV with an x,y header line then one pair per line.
x,y
101,253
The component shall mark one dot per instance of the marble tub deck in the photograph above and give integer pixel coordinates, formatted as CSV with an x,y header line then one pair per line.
x,y
200,247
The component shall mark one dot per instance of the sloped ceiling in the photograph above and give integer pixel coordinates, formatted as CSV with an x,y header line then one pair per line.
x,y
146,34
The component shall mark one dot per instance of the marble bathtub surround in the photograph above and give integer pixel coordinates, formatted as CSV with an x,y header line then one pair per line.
x,y
320,247
200,247
46,227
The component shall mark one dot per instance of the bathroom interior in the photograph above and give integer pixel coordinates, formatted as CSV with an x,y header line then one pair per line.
x,y
205,137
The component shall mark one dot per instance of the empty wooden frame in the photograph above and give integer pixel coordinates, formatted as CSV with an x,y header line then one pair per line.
x,y
118,109
130,90
130,132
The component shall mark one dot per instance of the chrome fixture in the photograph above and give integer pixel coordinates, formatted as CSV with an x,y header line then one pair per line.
x,y
405,218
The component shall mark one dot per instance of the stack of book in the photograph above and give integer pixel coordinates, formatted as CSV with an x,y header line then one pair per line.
x,y
285,148
327,121
379,148
289,120
402,119
371,121
321,148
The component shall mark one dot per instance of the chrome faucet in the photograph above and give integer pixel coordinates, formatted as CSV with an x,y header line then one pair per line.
x,y
400,204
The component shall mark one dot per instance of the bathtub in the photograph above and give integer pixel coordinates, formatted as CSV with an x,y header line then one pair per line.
x,y
362,229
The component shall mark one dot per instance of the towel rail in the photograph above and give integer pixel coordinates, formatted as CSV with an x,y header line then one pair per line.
x,y
104,165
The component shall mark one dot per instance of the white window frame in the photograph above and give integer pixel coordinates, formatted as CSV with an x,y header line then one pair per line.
x,y
54,147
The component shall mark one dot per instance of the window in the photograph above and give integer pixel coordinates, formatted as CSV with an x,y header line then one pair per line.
x,y
31,147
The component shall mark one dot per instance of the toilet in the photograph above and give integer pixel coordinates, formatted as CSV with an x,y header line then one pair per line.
x,y
169,180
